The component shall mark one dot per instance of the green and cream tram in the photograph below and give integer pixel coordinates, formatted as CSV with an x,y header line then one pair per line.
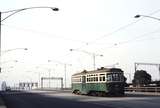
x,y
101,82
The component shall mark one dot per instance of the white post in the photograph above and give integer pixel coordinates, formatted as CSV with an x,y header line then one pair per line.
x,y
94,61
65,74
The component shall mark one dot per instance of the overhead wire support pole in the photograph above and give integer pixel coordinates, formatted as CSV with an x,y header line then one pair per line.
x,y
0,42
94,61
65,69
49,84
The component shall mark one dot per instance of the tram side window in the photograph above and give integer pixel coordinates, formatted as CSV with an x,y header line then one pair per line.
x,y
92,78
96,78
109,77
102,77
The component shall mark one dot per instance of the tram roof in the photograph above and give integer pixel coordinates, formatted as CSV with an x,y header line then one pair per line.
x,y
99,70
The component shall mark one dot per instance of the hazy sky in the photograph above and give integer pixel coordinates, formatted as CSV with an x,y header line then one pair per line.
x,y
105,27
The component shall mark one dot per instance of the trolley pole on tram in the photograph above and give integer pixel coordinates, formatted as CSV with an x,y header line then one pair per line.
x,y
90,53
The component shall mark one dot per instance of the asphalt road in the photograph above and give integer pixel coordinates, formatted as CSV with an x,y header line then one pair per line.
x,y
65,99
36,100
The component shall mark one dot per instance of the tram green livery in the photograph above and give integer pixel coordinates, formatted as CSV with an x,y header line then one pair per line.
x,y
103,81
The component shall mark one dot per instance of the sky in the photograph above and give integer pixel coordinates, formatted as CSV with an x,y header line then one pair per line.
x,y
106,27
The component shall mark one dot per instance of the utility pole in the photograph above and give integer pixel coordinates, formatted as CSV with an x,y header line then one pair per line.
x,y
49,71
0,42
65,69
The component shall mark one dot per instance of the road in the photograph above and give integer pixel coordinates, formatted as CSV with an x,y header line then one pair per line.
x,y
39,100
64,99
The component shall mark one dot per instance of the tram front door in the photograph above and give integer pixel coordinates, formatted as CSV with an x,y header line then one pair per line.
x,y
83,83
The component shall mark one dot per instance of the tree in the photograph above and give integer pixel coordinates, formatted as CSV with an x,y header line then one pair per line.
x,y
141,78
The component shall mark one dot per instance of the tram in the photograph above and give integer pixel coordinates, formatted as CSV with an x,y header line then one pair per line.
x,y
101,82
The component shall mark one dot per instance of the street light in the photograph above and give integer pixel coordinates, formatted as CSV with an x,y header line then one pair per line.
x,y
138,16
90,53
5,51
22,9
9,61
19,10
65,69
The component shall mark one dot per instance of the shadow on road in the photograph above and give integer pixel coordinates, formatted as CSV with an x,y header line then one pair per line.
x,y
37,100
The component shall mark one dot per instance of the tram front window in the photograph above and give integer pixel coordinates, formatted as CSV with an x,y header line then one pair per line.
x,y
113,77
109,77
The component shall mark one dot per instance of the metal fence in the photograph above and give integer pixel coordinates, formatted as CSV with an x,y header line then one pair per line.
x,y
142,89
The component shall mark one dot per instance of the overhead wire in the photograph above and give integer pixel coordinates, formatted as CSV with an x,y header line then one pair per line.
x,y
111,33
136,39
107,35
140,36
120,28
45,34
91,42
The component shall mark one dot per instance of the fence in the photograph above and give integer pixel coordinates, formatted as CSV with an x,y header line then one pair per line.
x,y
142,89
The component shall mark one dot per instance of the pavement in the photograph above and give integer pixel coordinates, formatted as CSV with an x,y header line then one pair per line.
x,y
2,104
